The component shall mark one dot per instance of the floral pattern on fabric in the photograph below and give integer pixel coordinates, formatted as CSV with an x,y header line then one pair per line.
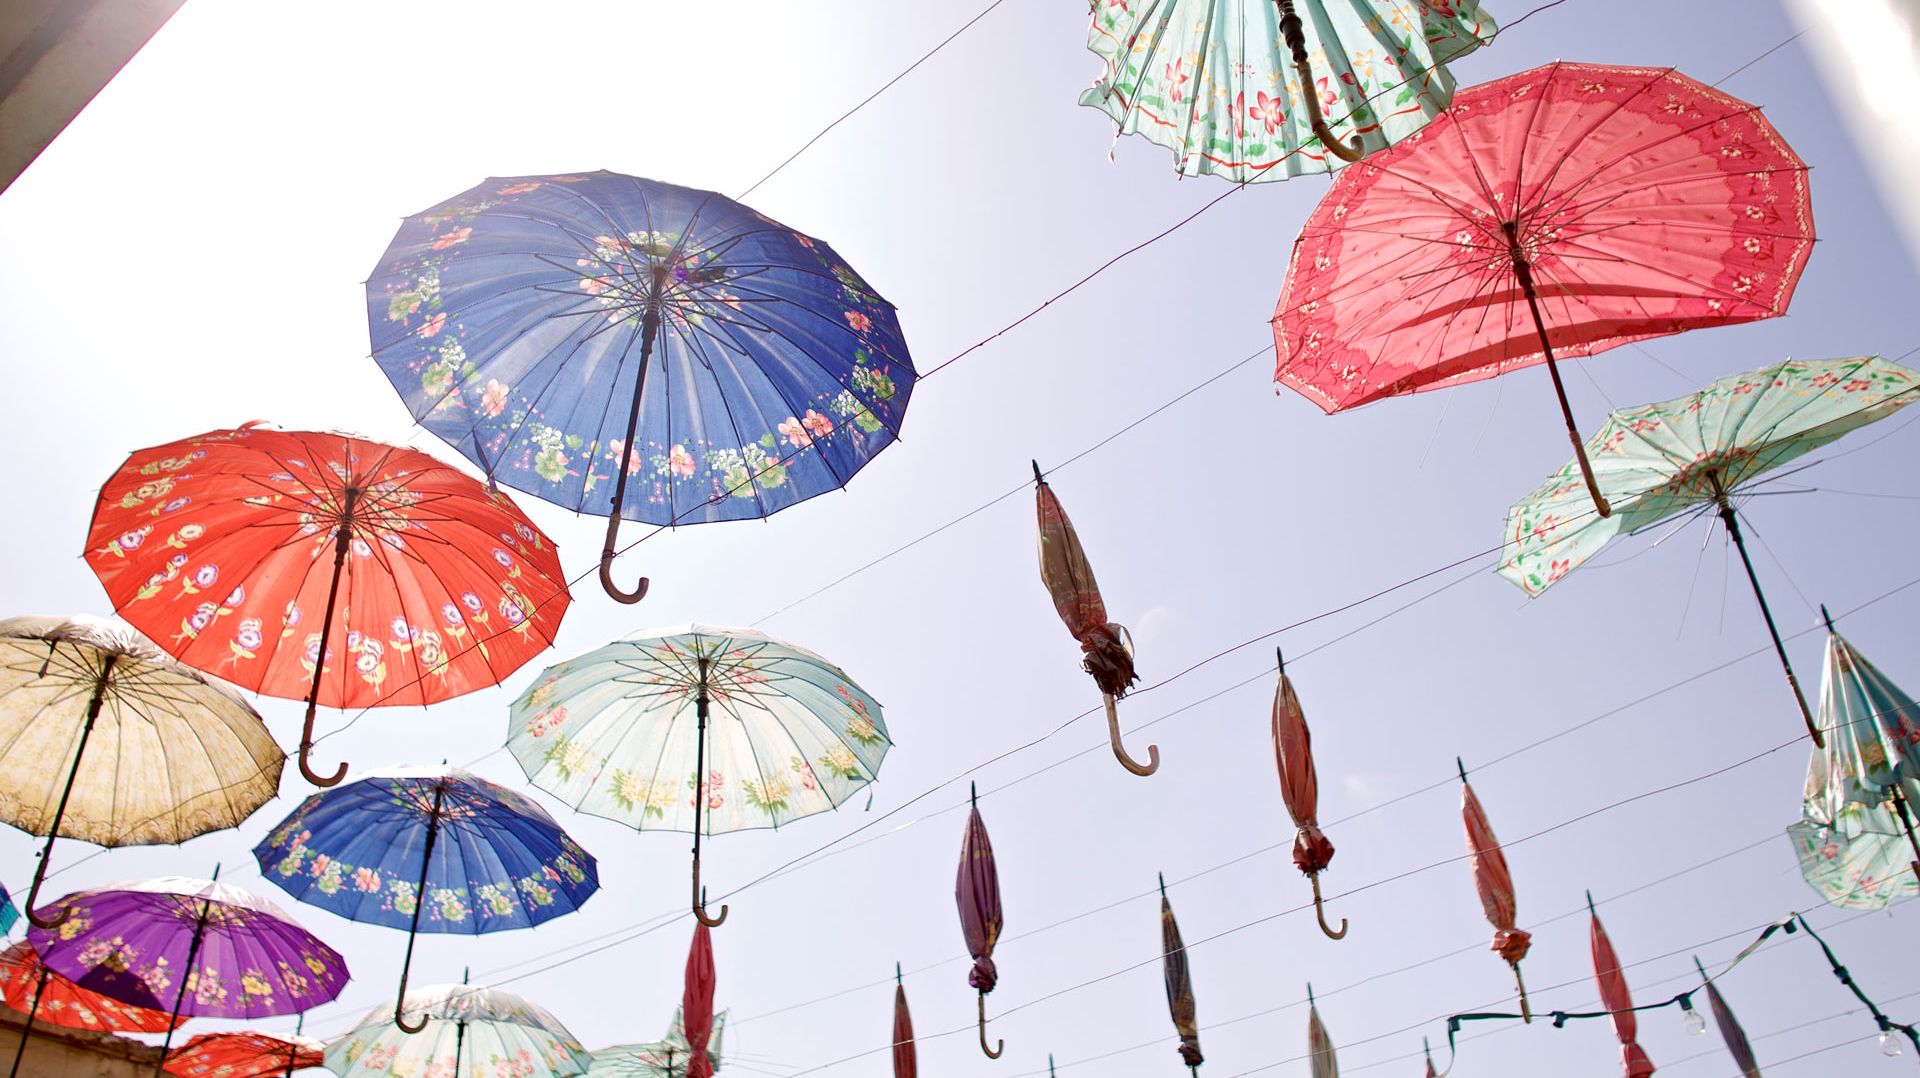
x,y
446,586
243,1055
510,315
1656,461
494,1033
1213,80
60,1002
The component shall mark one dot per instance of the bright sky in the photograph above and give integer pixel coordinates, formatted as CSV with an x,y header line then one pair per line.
x,y
188,256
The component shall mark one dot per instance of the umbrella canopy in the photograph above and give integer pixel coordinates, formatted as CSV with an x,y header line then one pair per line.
x,y
1173,959
467,1031
767,732
1615,997
664,1058
905,1062
1693,453
696,1003
85,702
252,554
562,331
976,891
1863,862
1730,1030
1319,1045
1604,205
28,986
1220,82
1300,789
1873,755
1495,885
1106,647
428,849
249,1054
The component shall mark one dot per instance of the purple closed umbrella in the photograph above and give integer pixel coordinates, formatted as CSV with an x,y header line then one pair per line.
x,y
206,949
977,893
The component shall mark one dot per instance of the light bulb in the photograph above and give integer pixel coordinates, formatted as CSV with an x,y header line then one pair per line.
x,y
1693,1023
1890,1045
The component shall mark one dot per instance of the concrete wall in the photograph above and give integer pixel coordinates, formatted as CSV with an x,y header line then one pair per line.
x,y
53,1052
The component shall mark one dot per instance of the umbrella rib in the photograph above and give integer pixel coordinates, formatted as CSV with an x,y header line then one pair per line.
x,y
733,423
1617,107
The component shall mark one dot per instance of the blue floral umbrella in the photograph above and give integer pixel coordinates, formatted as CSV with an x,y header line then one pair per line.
x,y
428,849
563,331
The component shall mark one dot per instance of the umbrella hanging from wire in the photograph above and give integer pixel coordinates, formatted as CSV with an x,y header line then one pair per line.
x,y
563,331
1230,87
1106,648
698,728
1300,789
1730,1030
1615,997
1173,959
696,1003
467,1031
1695,454
1319,1045
28,986
435,584
906,1063
86,702
664,1058
433,849
1558,212
976,891
1495,884
247,1054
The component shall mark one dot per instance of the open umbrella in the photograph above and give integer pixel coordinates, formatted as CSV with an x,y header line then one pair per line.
x,y
1106,649
905,1063
561,331
976,891
248,1054
1495,884
1173,967
1230,85
9,913
467,1031
224,547
698,728
664,1058
85,703
1319,1045
208,949
1730,1030
1560,211
1615,997
696,1002
1300,789
38,992
433,849
1694,453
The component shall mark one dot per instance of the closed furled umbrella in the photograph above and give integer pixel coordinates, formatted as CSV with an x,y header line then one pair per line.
x,y
1495,884
1872,760
1105,647
905,1063
664,1058
1730,1030
1300,789
38,992
245,1055
86,702
1173,958
1319,1045
696,1002
1427,1050
977,892
1615,997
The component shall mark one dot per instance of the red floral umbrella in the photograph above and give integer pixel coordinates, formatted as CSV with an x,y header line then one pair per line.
x,y
977,892
40,993
244,1055
905,1064
1300,789
1106,652
231,550
1615,998
1495,884
696,1005
1560,211
1173,959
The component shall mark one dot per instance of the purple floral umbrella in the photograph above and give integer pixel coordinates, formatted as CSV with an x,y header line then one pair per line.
x,y
242,956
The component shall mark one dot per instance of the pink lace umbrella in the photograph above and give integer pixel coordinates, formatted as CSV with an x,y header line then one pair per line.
x,y
1560,211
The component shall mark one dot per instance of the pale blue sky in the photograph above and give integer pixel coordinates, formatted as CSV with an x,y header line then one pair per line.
x,y
187,256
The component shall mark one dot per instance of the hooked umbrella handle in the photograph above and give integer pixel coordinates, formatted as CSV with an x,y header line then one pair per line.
x,y
1320,912
1120,750
999,1044
639,591
1290,29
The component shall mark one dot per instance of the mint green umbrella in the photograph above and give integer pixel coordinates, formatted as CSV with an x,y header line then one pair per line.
x,y
1219,82
1692,454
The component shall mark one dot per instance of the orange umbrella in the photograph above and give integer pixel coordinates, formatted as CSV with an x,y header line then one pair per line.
x,y
1495,884
905,1065
1300,789
1616,999
246,1054
1105,647
39,992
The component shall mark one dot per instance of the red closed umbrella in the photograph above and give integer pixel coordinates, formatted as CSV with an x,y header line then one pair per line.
x,y
1300,789
1730,1030
244,1055
1104,647
905,1064
1495,884
977,892
1615,997
696,1006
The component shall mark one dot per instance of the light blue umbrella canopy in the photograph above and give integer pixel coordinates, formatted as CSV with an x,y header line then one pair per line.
x,y
664,1058
467,1031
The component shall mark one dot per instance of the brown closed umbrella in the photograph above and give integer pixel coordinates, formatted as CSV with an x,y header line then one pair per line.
x,y
977,893
1730,1030
904,1063
1179,984
1300,789
1495,884
1104,648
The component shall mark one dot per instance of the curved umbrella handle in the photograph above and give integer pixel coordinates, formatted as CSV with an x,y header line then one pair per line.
x,y
399,1019
306,749
33,894
999,1045
1297,43
1120,751
1321,913
606,566
700,902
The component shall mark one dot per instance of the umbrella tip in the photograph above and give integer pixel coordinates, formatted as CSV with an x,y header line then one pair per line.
x,y
1310,1002
1590,910
216,870
973,794
896,974
1037,477
1826,617
1280,657
1701,968
1163,883
1463,768
466,973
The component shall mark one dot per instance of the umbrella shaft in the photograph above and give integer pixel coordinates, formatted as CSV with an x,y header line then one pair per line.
x,y
649,328
699,773
186,975
1906,818
26,1030
1732,522
73,774
419,903
1523,272
341,543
